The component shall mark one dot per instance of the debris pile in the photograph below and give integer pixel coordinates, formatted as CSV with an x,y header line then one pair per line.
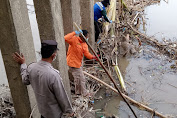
x,y
128,41
6,105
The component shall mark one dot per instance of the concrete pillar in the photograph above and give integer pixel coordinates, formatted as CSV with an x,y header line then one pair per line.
x,y
16,36
87,18
67,16
50,24
70,13
76,12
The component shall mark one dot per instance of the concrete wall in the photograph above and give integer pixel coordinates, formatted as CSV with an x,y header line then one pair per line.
x,y
50,24
87,18
16,36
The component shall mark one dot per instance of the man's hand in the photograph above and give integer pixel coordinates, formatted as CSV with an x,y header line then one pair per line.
x,y
71,114
94,57
18,58
78,32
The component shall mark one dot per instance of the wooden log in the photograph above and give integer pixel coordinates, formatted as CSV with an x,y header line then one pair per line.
x,y
128,98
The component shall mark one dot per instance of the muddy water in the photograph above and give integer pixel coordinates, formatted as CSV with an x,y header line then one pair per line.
x,y
150,80
148,75
161,20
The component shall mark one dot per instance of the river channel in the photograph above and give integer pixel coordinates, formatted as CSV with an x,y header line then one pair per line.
x,y
148,76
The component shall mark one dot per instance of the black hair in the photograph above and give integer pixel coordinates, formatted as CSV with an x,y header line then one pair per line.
x,y
85,33
105,2
48,50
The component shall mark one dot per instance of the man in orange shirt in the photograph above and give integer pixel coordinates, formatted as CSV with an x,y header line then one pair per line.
x,y
77,49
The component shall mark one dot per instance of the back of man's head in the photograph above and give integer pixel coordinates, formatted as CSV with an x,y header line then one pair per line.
x,y
106,2
48,47
85,33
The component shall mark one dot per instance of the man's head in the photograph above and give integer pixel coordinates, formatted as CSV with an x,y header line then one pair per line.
x,y
85,33
106,2
48,49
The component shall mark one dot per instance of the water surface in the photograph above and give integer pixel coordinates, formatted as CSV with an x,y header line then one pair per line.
x,y
161,20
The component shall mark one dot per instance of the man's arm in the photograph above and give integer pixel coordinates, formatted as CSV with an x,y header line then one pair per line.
x,y
62,96
20,59
24,74
68,38
87,53
105,16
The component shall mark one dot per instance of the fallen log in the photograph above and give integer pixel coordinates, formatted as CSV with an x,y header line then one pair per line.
x,y
128,98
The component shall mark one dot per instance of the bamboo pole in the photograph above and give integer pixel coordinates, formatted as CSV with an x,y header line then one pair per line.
x,y
121,80
107,72
116,68
128,98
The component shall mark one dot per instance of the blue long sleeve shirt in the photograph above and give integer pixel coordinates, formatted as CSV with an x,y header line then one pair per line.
x,y
99,11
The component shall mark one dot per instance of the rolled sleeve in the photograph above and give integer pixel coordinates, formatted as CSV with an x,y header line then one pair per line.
x,y
24,74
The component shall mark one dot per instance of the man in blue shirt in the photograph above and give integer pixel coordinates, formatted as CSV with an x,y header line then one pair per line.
x,y
99,12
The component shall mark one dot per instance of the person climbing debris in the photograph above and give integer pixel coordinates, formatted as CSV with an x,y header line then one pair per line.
x,y
99,12
78,48
52,99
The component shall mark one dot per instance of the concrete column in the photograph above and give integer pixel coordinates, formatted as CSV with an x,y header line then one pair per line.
x,y
87,18
76,12
67,16
16,36
70,13
50,24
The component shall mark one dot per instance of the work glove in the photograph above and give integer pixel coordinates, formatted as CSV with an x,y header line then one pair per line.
x,y
78,32
110,21
87,39
94,57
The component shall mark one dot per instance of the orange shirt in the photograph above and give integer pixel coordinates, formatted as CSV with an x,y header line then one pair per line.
x,y
77,48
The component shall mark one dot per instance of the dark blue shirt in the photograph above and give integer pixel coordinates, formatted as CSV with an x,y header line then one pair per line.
x,y
98,8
